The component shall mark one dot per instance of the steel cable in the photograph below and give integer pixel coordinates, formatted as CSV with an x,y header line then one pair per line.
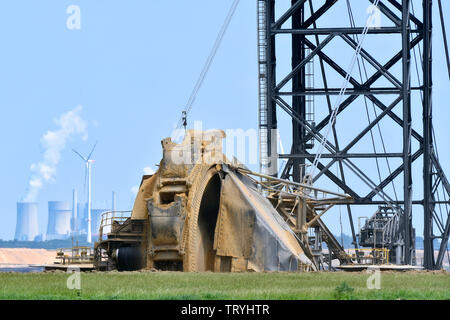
x,y
342,92
352,23
208,63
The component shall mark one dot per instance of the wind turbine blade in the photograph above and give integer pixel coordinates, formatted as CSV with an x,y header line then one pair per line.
x,y
76,152
90,154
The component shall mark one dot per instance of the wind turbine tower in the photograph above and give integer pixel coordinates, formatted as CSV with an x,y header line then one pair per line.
x,y
88,174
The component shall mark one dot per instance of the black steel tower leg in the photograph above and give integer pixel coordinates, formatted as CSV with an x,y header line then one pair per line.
x,y
427,137
406,96
385,87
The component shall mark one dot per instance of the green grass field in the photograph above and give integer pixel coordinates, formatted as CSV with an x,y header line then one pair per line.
x,y
147,285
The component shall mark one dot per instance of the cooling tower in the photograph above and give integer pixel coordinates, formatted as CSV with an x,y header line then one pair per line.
x,y
27,221
59,216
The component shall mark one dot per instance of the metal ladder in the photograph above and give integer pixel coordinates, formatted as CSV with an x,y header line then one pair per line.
x,y
262,81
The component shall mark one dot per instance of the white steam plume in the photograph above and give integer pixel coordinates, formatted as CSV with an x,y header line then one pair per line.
x,y
53,142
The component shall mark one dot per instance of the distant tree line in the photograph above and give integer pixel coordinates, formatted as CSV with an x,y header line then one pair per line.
x,y
49,245
346,240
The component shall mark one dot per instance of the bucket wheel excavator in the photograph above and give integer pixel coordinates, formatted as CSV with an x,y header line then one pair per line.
x,y
201,212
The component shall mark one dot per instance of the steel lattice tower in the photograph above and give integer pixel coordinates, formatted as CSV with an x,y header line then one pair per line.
x,y
289,92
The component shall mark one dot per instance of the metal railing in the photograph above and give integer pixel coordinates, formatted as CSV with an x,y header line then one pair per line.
x,y
74,255
370,256
109,218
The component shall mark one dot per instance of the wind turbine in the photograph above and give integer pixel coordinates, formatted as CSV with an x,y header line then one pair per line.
x,y
88,173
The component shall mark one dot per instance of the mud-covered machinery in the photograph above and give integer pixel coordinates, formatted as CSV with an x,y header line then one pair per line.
x,y
382,231
200,212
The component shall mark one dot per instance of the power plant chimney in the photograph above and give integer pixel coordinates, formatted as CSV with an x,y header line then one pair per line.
x,y
96,221
27,221
59,216
74,224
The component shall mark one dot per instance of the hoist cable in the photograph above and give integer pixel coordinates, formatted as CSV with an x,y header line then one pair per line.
x,y
342,92
206,67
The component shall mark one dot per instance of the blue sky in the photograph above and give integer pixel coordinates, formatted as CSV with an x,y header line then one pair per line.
x,y
131,67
